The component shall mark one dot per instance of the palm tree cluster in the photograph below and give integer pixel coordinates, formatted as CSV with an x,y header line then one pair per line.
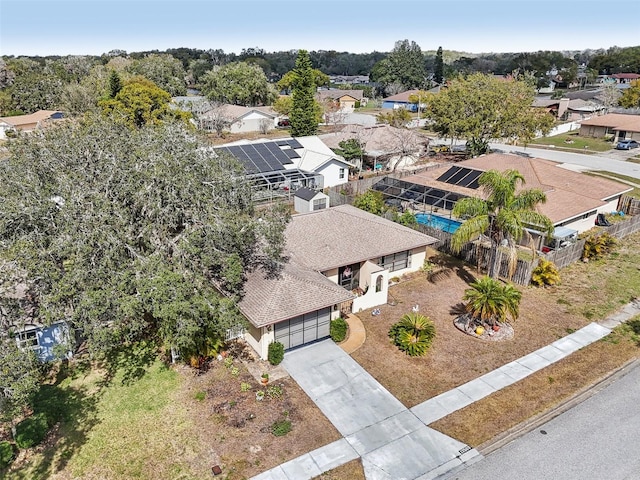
x,y
490,301
504,216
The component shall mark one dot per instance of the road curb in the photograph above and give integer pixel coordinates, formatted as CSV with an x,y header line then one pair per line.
x,y
522,428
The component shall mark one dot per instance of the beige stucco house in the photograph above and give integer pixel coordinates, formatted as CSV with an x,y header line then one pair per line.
x,y
340,260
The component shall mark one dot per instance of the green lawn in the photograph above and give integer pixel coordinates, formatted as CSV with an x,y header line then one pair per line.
x,y
572,141
133,430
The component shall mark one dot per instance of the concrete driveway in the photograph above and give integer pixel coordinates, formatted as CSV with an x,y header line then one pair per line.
x,y
392,441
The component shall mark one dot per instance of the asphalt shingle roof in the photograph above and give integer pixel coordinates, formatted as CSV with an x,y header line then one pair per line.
x,y
344,235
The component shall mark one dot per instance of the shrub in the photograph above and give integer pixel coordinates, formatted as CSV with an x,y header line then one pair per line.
x,y
6,454
413,334
546,273
338,329
31,431
274,392
597,245
488,300
200,396
281,427
245,387
275,354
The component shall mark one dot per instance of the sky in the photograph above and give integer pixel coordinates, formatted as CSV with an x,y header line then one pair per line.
x,y
94,27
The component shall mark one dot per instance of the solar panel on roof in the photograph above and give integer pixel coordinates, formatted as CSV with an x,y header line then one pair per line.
x,y
471,179
290,153
463,172
293,143
282,143
448,174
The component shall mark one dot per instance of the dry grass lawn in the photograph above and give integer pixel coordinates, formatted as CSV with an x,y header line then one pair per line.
x,y
349,471
454,357
588,292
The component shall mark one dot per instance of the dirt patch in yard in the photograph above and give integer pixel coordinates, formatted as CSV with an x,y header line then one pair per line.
x,y
454,357
236,430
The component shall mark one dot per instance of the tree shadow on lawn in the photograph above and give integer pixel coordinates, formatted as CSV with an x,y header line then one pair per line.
x,y
71,412
446,265
71,405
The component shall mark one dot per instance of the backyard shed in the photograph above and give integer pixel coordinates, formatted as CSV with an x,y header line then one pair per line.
x,y
307,200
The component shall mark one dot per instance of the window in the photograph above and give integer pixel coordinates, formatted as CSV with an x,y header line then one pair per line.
x,y
341,175
319,204
27,338
396,261
349,276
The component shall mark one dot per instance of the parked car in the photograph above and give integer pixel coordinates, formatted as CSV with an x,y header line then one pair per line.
x,y
627,145
284,123
439,148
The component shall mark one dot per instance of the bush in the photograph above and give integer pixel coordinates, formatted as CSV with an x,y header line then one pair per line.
x,y
597,245
338,329
281,427
275,354
546,273
31,431
6,454
413,334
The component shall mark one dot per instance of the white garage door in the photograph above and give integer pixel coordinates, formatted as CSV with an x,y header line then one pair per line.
x,y
303,329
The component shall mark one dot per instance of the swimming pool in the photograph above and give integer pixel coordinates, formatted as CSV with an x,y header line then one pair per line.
x,y
441,223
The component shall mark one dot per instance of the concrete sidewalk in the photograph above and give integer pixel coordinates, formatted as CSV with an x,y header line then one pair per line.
x,y
394,442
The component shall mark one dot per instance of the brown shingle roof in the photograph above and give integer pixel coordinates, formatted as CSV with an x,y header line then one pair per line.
x,y
401,97
336,94
35,117
569,193
343,235
617,121
294,292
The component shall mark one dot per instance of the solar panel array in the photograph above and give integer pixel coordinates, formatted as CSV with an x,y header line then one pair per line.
x,y
266,156
461,176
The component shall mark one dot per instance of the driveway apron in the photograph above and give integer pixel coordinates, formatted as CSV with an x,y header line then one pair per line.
x,y
392,441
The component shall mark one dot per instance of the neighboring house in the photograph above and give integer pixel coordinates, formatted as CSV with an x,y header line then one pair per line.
x,y
340,260
349,79
583,109
346,100
624,77
27,123
557,107
290,163
401,100
307,200
48,342
381,143
573,199
245,119
617,125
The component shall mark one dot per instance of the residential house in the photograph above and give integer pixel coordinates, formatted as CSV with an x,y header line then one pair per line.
x,y
345,100
625,78
28,123
556,107
401,100
49,342
349,79
382,144
289,163
617,125
340,260
573,199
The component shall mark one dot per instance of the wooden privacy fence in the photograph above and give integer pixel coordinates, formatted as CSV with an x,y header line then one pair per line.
x,y
629,205
480,255
566,255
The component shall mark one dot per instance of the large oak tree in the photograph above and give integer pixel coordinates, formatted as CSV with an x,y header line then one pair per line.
x,y
131,234
481,108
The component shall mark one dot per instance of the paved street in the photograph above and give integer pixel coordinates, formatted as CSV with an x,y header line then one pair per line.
x,y
607,161
598,439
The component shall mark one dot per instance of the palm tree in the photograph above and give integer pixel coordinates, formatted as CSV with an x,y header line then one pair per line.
x,y
490,301
503,216
413,334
